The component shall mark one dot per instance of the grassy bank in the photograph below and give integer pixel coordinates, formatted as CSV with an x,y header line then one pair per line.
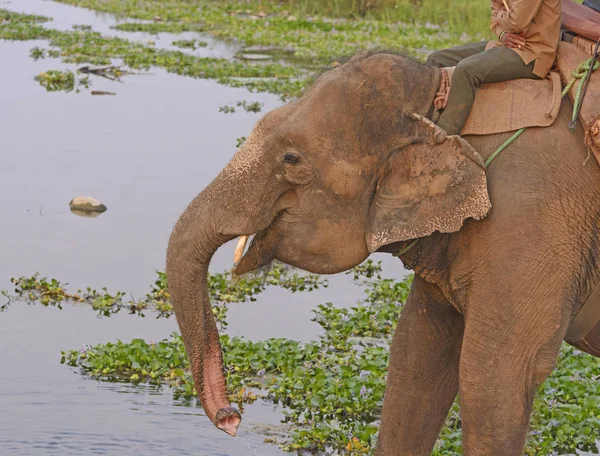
x,y
456,16
331,389
460,16
317,31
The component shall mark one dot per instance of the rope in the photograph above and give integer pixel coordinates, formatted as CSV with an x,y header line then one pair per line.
x,y
585,67
441,97
504,146
584,70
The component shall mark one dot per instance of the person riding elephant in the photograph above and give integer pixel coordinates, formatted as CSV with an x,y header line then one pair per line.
x,y
528,33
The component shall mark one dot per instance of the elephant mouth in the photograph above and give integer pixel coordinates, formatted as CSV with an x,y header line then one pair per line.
x,y
259,254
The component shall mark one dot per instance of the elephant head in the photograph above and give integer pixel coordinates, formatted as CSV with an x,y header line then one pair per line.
x,y
321,183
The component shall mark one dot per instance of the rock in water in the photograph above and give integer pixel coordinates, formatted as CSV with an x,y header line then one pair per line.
x,y
86,205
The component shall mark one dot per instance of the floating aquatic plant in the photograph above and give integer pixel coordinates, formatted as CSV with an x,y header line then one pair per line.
x,y
223,290
331,390
191,44
66,81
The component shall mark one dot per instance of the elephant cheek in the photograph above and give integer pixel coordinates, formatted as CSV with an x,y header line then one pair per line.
x,y
325,251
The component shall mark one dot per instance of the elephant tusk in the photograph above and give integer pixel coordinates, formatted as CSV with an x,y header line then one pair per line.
x,y
239,249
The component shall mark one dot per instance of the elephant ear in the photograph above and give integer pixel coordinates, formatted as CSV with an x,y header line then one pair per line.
x,y
434,183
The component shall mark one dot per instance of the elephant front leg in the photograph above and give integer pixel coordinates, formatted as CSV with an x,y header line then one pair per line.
x,y
422,374
509,348
591,342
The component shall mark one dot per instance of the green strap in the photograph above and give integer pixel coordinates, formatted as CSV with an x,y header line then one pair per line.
x,y
405,249
578,73
504,146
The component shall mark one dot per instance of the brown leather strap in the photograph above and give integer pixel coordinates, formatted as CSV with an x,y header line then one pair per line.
x,y
587,318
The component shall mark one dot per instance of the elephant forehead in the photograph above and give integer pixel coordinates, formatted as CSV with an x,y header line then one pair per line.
x,y
248,157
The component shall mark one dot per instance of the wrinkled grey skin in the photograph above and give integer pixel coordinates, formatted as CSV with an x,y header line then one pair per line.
x,y
346,170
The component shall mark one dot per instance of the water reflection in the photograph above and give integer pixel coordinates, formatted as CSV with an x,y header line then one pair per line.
x,y
89,214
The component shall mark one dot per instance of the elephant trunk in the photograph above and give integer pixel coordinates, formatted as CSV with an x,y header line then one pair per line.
x,y
232,205
187,270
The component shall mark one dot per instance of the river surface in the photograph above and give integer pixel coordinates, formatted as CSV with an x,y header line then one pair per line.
x,y
145,153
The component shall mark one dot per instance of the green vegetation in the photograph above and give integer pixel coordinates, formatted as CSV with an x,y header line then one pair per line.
x,y
303,22
84,46
190,44
332,389
15,26
155,28
247,106
223,289
303,34
54,81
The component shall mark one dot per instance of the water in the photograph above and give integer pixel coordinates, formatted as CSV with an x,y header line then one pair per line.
x,y
145,153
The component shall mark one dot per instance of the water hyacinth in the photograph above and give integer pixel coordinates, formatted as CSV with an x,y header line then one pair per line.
x,y
331,390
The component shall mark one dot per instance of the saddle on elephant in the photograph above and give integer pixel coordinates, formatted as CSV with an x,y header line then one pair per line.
x,y
509,106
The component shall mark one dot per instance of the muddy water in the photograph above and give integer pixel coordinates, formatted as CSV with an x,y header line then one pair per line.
x,y
144,153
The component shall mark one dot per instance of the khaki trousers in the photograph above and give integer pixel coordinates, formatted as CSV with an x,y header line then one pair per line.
x,y
475,66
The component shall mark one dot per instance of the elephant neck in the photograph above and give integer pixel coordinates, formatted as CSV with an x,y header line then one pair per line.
x,y
427,257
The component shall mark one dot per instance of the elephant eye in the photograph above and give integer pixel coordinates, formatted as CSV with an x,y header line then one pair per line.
x,y
290,158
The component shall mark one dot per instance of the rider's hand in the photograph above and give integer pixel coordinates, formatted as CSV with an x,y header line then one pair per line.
x,y
513,40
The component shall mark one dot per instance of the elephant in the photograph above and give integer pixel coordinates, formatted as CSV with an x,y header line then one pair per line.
x,y
503,257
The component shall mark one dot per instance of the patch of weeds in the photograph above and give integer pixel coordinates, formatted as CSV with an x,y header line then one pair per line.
x,y
83,28
55,81
250,107
226,109
190,44
222,288
48,292
247,106
566,413
287,89
367,269
136,361
103,302
154,28
17,26
38,53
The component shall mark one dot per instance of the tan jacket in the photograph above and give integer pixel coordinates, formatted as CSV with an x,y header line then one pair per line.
x,y
540,20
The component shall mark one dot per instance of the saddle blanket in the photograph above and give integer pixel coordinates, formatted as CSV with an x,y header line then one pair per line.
x,y
501,107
